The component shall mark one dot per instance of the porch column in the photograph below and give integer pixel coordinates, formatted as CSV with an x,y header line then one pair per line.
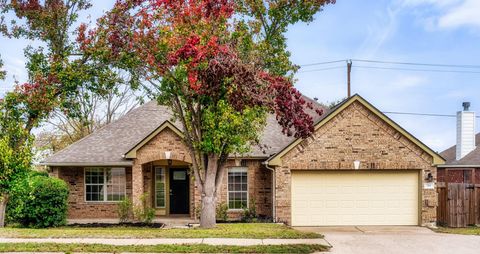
x,y
137,182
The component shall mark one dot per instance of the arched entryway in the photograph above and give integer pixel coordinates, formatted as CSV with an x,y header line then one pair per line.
x,y
168,187
163,181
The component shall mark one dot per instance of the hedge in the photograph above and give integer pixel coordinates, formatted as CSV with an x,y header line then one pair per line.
x,y
38,201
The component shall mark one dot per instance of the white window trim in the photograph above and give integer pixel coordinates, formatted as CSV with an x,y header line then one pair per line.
x,y
105,197
164,186
234,170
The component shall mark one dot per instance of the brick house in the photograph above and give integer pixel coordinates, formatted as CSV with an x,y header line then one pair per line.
x,y
463,159
358,168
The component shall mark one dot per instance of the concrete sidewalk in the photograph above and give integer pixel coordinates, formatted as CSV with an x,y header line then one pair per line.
x,y
155,241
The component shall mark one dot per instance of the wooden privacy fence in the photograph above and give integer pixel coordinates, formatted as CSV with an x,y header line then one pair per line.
x,y
458,204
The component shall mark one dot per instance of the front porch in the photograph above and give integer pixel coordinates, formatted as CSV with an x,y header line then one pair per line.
x,y
165,185
160,173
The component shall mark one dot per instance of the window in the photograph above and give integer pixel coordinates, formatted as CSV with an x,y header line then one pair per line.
x,y
159,187
105,184
237,188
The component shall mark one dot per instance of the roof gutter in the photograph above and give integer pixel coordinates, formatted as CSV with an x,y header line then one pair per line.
x,y
84,164
274,190
458,166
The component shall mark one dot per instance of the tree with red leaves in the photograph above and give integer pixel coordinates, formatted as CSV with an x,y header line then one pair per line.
x,y
55,73
221,66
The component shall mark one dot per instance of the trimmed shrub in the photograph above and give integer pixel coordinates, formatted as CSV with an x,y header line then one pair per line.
x,y
38,201
222,212
125,210
142,212
250,214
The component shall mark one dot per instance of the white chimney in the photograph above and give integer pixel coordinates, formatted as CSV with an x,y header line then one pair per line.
x,y
465,131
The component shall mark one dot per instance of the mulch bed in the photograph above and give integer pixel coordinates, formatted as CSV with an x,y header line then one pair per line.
x,y
113,225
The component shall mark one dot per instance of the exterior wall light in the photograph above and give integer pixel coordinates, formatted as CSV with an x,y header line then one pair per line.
x,y
429,177
356,164
168,157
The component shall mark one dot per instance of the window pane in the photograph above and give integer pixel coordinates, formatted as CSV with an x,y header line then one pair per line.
x,y
94,192
116,184
94,176
159,187
101,180
237,188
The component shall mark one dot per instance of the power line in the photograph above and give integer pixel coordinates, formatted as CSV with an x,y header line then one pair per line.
x,y
322,69
469,66
419,114
420,64
322,63
392,68
409,69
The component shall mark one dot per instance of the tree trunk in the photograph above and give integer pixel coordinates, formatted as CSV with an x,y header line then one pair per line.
x,y
209,194
208,213
3,206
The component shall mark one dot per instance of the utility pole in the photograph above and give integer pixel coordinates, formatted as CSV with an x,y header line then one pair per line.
x,y
349,71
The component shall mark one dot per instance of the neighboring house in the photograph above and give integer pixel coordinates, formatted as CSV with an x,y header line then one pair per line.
x,y
358,168
463,159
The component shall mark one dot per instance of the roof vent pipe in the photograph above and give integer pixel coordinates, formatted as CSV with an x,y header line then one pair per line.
x,y
465,131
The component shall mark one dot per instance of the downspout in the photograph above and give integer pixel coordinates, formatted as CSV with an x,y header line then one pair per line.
x,y
274,192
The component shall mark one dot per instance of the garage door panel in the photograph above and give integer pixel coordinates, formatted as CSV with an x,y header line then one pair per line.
x,y
354,198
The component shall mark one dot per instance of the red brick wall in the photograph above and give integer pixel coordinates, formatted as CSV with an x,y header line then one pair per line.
x,y
259,188
458,175
78,208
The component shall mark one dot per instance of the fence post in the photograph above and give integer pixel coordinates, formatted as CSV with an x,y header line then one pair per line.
x,y
476,202
447,204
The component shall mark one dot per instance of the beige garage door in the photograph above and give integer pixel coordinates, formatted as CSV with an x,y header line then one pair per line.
x,y
354,198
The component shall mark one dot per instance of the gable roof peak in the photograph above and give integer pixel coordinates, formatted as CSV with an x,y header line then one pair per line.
x,y
275,160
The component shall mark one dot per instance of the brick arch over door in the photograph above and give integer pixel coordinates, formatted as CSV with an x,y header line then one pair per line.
x,y
154,150
166,140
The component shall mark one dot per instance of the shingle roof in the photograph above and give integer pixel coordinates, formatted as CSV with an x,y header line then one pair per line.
x,y
472,158
107,145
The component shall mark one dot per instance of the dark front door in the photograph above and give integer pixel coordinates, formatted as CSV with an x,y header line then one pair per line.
x,y
179,191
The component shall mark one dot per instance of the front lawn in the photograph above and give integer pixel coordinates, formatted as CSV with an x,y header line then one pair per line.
x,y
460,231
234,230
171,248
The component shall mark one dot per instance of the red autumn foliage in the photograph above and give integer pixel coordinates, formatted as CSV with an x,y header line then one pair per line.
x,y
166,34
37,95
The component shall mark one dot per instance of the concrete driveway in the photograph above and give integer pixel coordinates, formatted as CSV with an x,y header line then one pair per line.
x,y
395,240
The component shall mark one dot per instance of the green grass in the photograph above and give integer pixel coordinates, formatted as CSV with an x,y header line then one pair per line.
x,y
460,231
194,248
234,230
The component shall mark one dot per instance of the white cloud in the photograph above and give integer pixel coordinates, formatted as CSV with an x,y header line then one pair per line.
x,y
379,32
450,14
466,14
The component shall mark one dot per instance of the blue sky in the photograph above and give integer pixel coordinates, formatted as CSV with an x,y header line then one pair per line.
x,y
425,31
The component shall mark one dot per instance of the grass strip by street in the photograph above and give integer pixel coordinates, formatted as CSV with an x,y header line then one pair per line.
x,y
459,231
165,248
233,230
